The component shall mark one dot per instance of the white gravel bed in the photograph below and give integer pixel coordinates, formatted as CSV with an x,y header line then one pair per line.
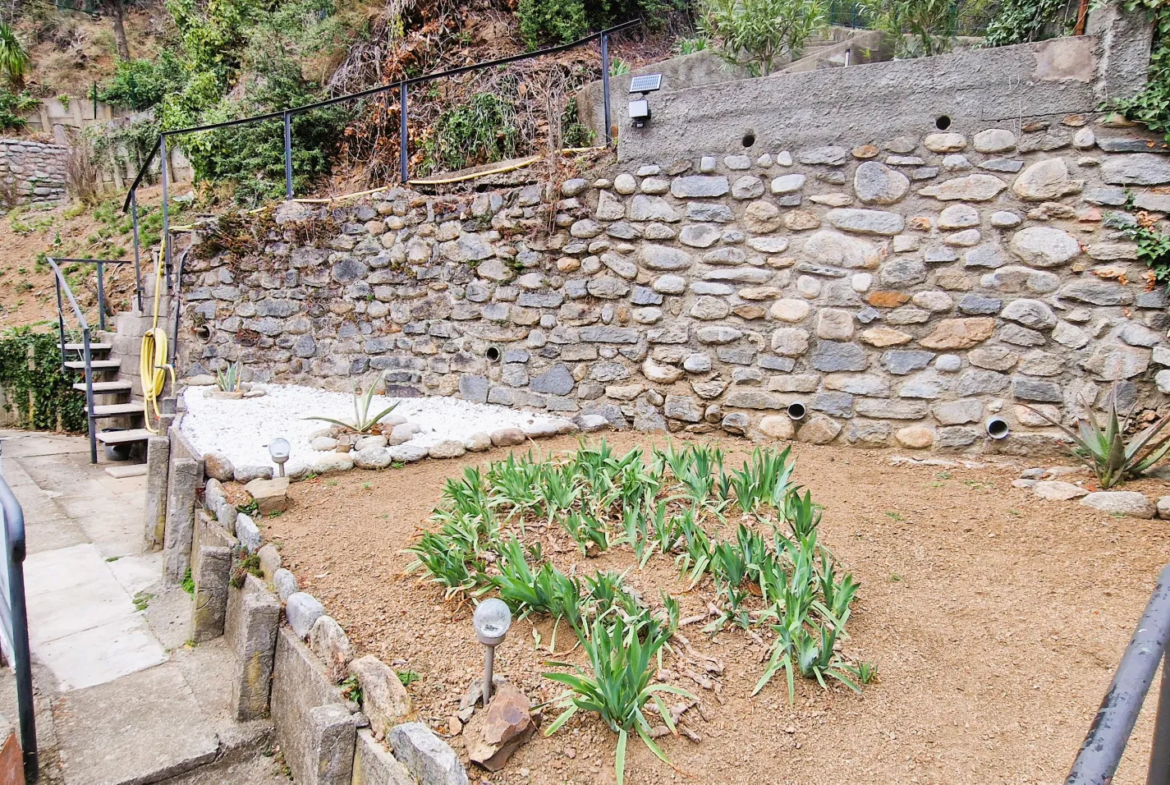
x,y
241,429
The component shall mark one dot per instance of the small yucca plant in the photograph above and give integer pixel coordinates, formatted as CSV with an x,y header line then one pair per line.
x,y
1106,451
228,379
362,421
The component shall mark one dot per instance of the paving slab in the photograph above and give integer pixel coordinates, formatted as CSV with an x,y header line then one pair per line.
x,y
103,653
141,728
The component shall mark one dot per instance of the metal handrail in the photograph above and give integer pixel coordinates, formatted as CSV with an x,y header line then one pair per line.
x,y
86,353
1109,733
101,287
14,621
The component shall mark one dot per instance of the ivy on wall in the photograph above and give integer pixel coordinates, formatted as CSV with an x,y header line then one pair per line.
x,y
37,389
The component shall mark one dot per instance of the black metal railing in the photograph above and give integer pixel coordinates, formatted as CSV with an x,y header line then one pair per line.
x,y
62,285
101,281
1109,734
402,87
14,625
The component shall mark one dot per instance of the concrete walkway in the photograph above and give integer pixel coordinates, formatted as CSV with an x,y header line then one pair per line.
x,y
122,697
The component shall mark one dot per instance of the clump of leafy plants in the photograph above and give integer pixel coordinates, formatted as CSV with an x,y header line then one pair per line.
x,y
768,573
1107,451
363,421
755,34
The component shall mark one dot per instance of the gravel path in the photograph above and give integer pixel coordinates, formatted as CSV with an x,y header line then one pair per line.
x,y
241,429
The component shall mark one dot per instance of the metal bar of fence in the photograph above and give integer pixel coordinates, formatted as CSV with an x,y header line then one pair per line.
x,y
101,296
142,170
367,93
288,183
91,420
1159,771
605,87
403,136
14,553
1109,733
166,218
137,262
60,259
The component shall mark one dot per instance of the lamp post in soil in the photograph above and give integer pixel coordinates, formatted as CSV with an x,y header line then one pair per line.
x,y
491,621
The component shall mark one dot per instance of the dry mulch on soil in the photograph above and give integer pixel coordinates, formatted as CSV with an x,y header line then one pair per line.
x,y
996,620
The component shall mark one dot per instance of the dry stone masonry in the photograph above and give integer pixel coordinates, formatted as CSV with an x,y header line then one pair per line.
x,y
903,289
35,171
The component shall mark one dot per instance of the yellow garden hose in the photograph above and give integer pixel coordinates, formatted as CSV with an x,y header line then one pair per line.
x,y
152,358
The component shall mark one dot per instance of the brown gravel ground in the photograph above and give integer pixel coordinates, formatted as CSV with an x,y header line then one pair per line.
x,y
996,620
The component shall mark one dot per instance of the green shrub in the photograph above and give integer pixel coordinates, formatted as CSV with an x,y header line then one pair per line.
x,y
13,107
754,33
1021,21
42,396
481,131
141,84
562,21
922,28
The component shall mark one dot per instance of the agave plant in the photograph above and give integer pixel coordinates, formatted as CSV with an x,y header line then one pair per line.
x,y
1106,451
619,686
228,379
362,421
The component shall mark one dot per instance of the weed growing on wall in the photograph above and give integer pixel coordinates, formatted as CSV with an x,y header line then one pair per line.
x,y
482,130
37,389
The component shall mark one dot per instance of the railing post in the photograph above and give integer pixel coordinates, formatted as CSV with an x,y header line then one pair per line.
x,y
1159,773
288,183
137,264
89,396
60,315
403,135
14,553
101,296
605,88
166,222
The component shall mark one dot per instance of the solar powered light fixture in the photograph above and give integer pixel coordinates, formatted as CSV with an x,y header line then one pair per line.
x,y
640,108
279,449
491,620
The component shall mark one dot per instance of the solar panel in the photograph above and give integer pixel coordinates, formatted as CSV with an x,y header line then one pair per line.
x,y
646,83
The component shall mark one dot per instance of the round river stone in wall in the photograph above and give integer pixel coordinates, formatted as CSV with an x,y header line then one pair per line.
x,y
876,183
1044,246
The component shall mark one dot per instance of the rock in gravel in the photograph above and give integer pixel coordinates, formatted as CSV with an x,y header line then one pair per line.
x,y
329,642
402,433
372,458
248,533
323,443
591,423
285,584
302,611
1055,490
366,442
478,442
492,736
333,462
1128,503
384,700
408,453
427,757
1034,473
508,437
245,474
551,427
1164,507
448,448
218,467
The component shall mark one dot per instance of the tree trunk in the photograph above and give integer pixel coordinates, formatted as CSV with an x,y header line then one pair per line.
x,y
115,8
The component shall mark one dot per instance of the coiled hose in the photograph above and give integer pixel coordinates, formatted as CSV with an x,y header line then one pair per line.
x,y
152,357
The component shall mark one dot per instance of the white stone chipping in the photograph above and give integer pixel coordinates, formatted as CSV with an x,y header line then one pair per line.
x,y
241,429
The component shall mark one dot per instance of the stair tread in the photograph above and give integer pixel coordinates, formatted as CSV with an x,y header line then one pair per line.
x,y
106,387
122,472
97,365
93,347
117,410
121,437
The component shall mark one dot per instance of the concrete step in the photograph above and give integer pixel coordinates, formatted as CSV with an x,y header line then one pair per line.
x,y
117,410
97,365
122,472
124,437
106,388
93,347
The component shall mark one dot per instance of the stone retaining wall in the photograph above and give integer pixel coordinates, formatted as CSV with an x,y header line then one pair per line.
x,y
904,289
36,170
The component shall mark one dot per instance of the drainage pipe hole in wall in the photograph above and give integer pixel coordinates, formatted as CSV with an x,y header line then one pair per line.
x,y
493,353
942,122
749,138
203,333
